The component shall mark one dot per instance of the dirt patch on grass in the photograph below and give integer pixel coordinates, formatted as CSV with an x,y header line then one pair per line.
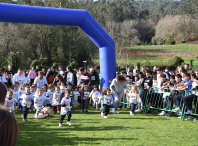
x,y
156,53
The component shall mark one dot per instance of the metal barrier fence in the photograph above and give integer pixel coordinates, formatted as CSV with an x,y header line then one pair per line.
x,y
154,99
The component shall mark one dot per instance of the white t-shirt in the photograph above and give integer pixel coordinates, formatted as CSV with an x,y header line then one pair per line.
x,y
26,100
21,92
86,94
50,94
133,97
21,79
61,72
56,99
3,79
95,95
62,89
27,80
15,95
76,94
65,109
194,85
70,77
40,82
38,101
10,103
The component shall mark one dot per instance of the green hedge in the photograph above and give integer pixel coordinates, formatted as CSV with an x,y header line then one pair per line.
x,y
183,42
169,43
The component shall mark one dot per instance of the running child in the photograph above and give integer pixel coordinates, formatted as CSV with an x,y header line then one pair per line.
x,y
26,102
21,92
65,108
133,99
10,101
38,101
85,98
56,99
95,94
107,100
76,95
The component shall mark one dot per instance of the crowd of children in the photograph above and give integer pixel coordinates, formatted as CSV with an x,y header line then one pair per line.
x,y
63,96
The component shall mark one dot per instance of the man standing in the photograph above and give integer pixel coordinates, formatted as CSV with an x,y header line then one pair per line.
x,y
11,71
94,78
37,70
84,77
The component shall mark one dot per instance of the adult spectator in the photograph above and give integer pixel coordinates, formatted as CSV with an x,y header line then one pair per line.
x,y
61,72
32,75
40,81
57,81
44,72
70,76
186,67
2,76
51,75
3,93
19,77
37,70
84,77
94,78
131,76
97,68
11,71
9,80
8,128
117,86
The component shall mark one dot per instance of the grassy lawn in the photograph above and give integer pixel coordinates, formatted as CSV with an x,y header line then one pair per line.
x,y
91,129
171,48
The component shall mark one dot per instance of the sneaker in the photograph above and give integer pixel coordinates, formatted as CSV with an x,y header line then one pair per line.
x,y
179,114
102,114
58,112
168,115
105,117
189,111
163,113
195,120
69,123
60,125
35,117
24,120
179,117
29,110
189,119
116,112
137,110
176,109
113,110
131,113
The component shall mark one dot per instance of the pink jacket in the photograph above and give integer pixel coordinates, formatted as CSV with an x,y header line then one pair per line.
x,y
32,74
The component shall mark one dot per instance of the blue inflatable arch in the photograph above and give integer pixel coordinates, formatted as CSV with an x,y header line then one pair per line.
x,y
68,17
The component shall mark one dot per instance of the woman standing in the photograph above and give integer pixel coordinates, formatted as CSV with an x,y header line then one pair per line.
x,y
57,81
117,86
70,76
32,75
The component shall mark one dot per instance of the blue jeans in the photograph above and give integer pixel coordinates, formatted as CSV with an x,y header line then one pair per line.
x,y
178,100
25,112
84,103
133,107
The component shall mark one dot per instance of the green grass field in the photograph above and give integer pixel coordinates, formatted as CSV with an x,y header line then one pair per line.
x,y
169,48
122,129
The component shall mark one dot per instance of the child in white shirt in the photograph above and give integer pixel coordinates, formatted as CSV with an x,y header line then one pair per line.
x,y
65,108
21,92
62,87
76,95
38,101
133,97
10,101
49,95
95,94
26,102
56,99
